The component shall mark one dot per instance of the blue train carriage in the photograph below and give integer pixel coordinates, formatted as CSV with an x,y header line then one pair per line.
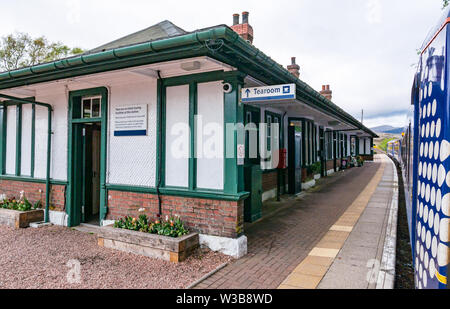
x,y
393,149
430,209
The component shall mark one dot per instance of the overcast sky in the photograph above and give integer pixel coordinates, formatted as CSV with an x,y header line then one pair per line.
x,y
365,49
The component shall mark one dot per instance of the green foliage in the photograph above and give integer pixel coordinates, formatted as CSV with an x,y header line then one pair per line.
x,y
23,204
21,50
360,161
171,227
316,168
383,144
445,3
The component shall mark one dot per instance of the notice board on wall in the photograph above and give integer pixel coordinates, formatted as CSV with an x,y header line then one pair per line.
x,y
130,120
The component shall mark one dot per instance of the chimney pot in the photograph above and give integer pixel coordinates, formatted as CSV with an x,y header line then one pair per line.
x,y
294,68
236,19
326,92
245,17
244,29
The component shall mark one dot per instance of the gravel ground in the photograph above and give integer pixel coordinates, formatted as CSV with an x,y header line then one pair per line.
x,y
37,259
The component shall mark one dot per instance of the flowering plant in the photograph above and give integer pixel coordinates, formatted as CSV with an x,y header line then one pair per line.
x,y
22,204
171,226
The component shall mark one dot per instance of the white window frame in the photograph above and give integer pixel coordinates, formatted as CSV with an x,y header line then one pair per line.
x,y
91,98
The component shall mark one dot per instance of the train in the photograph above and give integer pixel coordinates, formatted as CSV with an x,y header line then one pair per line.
x,y
424,155
393,148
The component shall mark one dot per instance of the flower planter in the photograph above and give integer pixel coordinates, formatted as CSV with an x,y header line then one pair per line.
x,y
20,219
154,246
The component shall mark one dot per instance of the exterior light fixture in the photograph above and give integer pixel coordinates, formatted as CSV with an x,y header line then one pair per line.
x,y
191,66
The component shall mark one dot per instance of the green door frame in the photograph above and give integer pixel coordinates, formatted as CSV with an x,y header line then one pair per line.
x,y
254,111
73,177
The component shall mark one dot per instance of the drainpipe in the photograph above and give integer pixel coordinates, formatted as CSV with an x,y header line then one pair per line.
x,y
160,136
47,181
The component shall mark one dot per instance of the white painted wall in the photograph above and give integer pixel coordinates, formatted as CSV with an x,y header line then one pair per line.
x,y
317,142
11,140
368,147
26,140
132,160
41,135
177,119
56,97
361,146
349,146
210,136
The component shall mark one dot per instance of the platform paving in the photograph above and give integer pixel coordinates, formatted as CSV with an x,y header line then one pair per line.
x,y
304,238
361,263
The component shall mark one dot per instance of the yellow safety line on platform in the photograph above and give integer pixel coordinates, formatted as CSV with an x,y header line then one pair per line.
x,y
313,269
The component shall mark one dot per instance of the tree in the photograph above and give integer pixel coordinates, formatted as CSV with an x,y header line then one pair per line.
x,y
21,50
445,3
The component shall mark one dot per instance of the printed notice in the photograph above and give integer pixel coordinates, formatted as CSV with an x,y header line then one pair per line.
x,y
130,120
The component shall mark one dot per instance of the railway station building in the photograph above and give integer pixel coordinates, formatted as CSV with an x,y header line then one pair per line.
x,y
157,123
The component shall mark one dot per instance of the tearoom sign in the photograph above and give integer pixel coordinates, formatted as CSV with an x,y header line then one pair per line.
x,y
130,120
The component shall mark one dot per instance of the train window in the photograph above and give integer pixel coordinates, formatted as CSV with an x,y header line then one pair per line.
x,y
415,95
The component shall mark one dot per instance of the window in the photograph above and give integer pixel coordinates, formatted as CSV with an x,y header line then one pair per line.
x,y
269,133
91,107
273,140
307,161
329,144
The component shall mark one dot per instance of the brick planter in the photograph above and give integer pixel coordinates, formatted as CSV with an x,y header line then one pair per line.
x,y
154,246
20,219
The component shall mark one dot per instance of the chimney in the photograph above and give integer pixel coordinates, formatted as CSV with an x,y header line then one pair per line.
x,y
245,17
235,19
326,92
294,68
244,29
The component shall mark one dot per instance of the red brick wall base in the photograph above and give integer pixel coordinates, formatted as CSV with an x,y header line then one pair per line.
x,y
211,217
35,192
367,157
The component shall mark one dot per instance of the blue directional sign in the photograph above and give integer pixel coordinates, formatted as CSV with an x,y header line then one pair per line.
x,y
269,93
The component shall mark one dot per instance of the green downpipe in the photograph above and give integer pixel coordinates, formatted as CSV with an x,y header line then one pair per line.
x,y
47,180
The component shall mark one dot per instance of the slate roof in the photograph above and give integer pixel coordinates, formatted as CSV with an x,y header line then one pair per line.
x,y
162,30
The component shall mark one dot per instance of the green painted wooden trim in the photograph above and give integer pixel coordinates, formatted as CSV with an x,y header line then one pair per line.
x,y
18,139
233,114
163,125
310,138
3,124
90,120
274,115
193,111
32,180
181,192
252,108
192,80
198,78
159,123
33,139
103,92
